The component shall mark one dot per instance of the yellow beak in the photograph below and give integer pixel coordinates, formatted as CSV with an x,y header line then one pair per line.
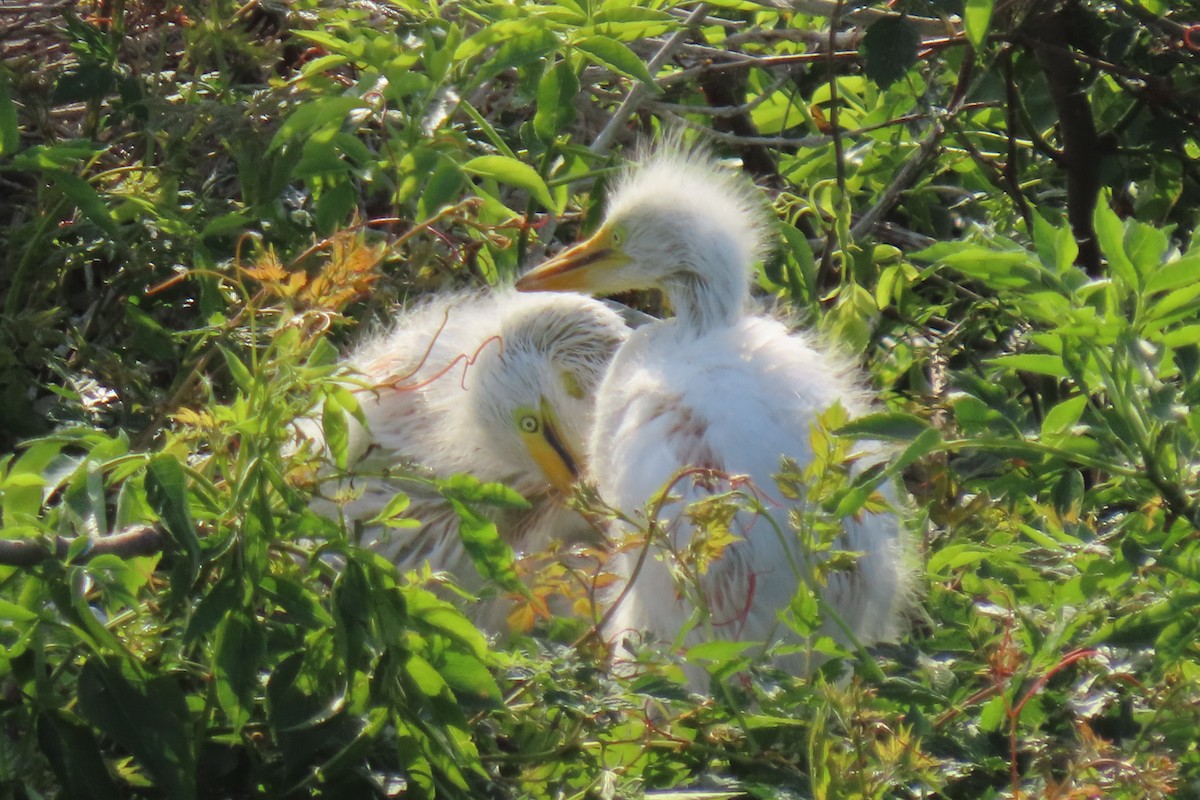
x,y
586,268
552,454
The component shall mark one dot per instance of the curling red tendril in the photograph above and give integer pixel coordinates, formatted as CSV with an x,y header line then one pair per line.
x,y
469,360
1191,38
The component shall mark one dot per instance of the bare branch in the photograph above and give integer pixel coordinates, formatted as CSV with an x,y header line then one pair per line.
x,y
639,90
863,17
136,540
903,180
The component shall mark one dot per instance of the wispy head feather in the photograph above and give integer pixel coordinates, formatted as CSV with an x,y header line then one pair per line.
x,y
689,179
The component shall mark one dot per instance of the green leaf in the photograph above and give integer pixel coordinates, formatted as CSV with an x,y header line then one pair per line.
x,y
1110,233
505,30
801,267
1184,560
393,508
1174,301
1038,363
237,370
977,18
491,555
1056,245
517,52
954,557
446,620
13,612
1174,274
512,172
467,675
146,716
718,651
86,199
312,116
1063,416
1146,247
443,188
993,714
628,23
1142,627
469,489
10,134
892,425
555,101
1000,269
240,648
1181,337
425,678
890,47
147,337
925,443
336,430
74,755
616,56
166,489
352,607
220,600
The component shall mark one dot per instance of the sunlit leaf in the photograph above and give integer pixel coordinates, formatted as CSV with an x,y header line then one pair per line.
x,y
555,101
1039,363
885,425
512,172
616,56
977,17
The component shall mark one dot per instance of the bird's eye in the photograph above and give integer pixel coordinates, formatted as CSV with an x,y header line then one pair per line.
x,y
529,423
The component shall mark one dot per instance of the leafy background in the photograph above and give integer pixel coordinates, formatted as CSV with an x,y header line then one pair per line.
x,y
992,203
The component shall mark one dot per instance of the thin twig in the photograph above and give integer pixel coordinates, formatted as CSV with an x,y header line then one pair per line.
x,y
816,140
901,183
759,62
865,16
844,40
721,111
908,173
639,90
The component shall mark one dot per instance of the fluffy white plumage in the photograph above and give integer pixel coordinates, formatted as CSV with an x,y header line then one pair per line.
x,y
449,388
718,387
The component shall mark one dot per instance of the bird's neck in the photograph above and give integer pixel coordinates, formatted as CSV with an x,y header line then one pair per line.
x,y
704,302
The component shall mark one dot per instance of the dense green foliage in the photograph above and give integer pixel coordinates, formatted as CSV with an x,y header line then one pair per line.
x,y
995,212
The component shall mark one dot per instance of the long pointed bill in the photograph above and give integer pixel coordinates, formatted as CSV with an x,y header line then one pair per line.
x,y
553,455
586,268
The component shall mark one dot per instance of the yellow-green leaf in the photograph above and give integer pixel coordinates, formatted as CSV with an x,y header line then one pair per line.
x,y
977,17
512,172
615,56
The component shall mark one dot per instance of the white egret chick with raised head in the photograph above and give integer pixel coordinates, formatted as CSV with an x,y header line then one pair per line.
x,y
499,386
719,387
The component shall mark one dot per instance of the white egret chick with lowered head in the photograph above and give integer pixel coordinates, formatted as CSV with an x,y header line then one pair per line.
x,y
500,386
723,389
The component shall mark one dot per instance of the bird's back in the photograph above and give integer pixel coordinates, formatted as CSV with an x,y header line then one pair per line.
x,y
735,400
